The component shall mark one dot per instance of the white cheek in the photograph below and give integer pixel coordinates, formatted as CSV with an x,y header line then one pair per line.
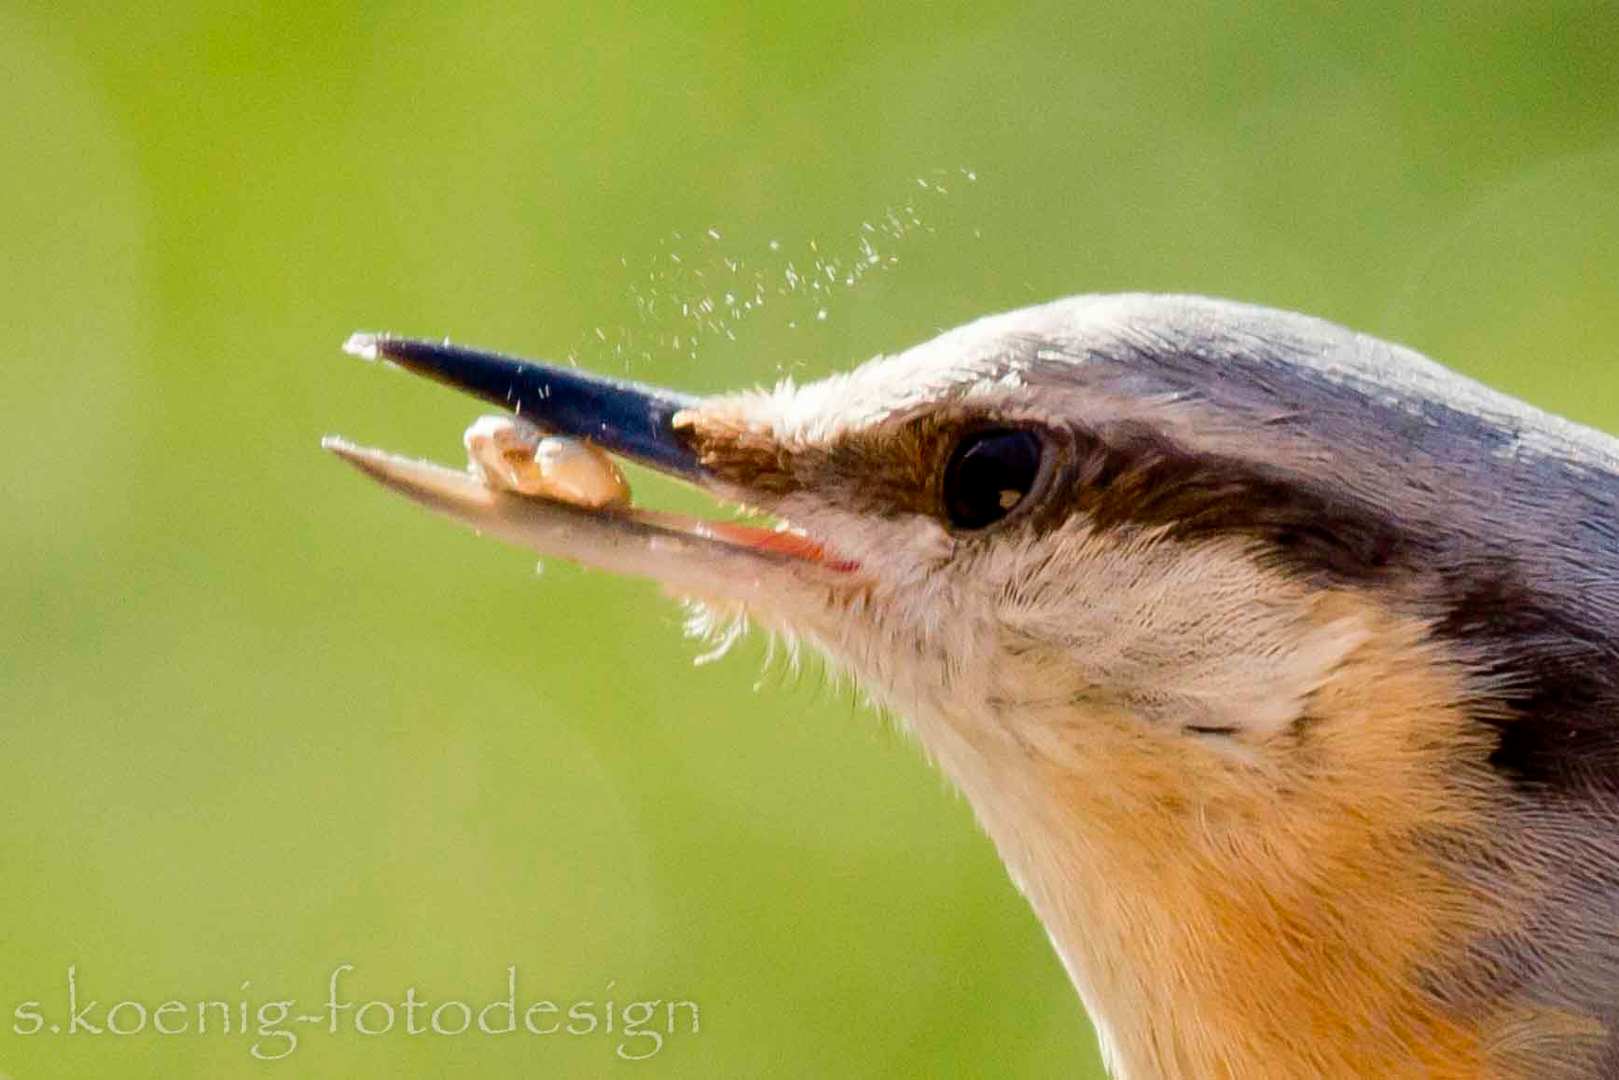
x,y
927,634
1185,635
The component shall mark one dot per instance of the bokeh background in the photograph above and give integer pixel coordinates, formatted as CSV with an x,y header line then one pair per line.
x,y
258,719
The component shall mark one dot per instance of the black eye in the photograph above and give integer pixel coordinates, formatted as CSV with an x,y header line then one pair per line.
x,y
989,473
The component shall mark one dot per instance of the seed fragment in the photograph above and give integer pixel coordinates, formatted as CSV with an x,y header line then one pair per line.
x,y
512,455
578,472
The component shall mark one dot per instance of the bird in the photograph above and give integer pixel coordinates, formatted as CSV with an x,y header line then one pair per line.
x,y
1280,663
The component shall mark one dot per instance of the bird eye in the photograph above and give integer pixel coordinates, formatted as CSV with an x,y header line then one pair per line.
x,y
988,474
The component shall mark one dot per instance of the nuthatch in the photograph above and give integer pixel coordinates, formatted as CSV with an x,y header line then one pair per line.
x,y
1279,662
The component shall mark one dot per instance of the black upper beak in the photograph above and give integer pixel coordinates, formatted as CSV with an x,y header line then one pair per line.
x,y
619,416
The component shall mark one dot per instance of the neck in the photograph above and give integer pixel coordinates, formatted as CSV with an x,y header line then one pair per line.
x,y
1241,922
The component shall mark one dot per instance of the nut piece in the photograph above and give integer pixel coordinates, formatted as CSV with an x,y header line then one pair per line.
x,y
576,471
500,451
509,454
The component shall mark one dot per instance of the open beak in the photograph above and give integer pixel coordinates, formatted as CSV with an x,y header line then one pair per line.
x,y
712,559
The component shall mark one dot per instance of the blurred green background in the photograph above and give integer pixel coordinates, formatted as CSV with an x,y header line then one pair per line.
x,y
260,719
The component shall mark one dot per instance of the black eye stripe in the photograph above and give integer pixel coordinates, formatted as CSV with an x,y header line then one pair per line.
x,y
990,472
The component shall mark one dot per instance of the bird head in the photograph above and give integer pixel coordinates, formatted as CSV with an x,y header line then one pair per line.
x,y
1245,636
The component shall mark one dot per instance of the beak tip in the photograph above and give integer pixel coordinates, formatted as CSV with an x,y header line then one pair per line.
x,y
391,470
363,345
336,444
363,458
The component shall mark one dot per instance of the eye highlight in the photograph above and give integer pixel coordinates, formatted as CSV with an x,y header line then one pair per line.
x,y
989,473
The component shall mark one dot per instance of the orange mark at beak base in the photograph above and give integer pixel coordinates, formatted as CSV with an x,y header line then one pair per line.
x,y
779,542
